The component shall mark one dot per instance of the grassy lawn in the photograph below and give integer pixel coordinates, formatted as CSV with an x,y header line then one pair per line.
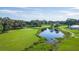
x,y
18,39
71,43
42,47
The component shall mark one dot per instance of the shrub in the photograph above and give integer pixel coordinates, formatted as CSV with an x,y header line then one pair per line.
x,y
1,28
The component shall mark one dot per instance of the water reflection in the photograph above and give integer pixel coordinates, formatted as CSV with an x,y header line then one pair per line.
x,y
51,34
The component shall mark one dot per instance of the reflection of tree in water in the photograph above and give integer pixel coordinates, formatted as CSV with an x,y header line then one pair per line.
x,y
56,30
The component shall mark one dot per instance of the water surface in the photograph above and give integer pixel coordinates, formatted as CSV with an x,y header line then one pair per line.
x,y
51,35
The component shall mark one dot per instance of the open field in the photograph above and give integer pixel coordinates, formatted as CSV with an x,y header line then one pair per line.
x,y
18,39
70,43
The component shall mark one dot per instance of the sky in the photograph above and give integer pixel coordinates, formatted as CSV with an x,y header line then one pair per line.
x,y
40,13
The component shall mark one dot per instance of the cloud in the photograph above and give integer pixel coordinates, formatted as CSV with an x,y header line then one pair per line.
x,y
10,11
75,8
70,13
40,13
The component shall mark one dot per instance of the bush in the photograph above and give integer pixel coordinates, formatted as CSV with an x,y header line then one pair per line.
x,y
41,47
1,28
43,29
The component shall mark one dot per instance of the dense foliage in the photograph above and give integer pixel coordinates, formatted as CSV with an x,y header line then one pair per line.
x,y
7,24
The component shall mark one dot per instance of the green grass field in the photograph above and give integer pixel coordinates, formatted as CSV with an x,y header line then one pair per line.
x,y
70,43
18,39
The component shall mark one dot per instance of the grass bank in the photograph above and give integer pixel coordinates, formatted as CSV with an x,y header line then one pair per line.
x,y
71,42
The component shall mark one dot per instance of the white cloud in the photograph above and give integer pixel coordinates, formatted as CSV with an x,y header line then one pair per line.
x,y
75,8
39,14
10,11
65,11
70,13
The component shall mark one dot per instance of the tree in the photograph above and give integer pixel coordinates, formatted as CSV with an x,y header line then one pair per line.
x,y
7,24
70,22
1,27
35,23
44,22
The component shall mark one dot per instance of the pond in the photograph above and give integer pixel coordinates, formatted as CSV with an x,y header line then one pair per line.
x,y
51,35
74,26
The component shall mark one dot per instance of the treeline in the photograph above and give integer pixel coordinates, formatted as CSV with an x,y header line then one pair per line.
x,y
8,24
71,21
36,23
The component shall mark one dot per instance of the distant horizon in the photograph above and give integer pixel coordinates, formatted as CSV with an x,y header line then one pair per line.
x,y
40,13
